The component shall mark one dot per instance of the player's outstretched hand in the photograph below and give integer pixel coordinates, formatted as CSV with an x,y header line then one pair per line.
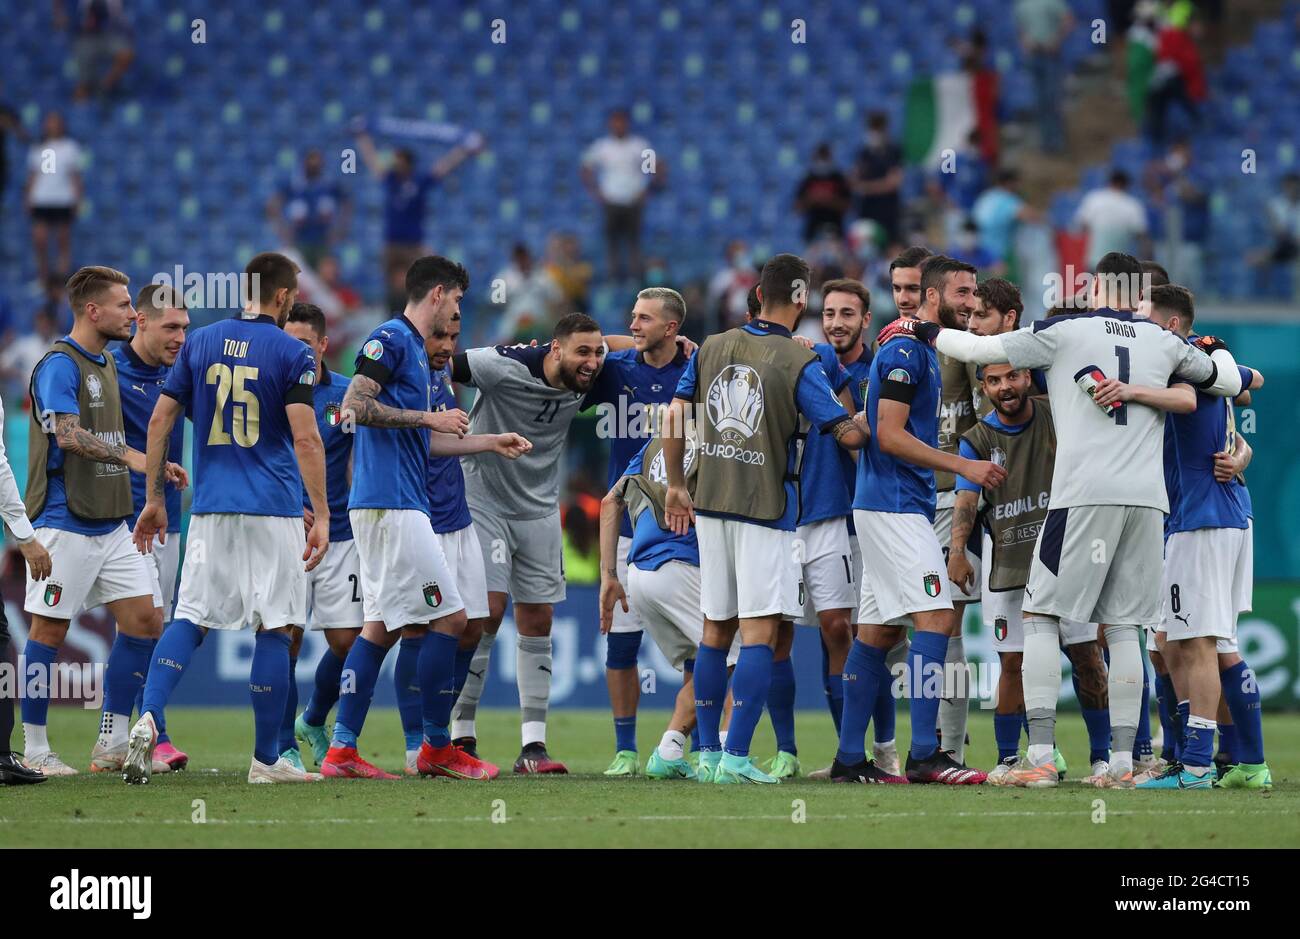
x,y
1226,466
611,592
688,346
318,542
917,329
454,421
985,473
1112,391
511,446
176,475
803,341
679,511
37,558
960,572
152,521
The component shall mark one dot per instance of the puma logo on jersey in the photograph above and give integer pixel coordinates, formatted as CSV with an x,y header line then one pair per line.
x,y
1183,620
476,674
139,388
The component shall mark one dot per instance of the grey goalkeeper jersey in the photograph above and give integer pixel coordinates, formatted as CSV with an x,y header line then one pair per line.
x,y
513,396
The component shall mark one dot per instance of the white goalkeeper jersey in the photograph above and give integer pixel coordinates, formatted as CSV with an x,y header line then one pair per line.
x,y
1106,458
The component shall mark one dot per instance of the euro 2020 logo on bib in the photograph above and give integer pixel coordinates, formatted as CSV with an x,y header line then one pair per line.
x,y
659,474
735,402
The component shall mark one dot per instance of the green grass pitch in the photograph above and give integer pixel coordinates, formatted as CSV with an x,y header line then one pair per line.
x,y
585,810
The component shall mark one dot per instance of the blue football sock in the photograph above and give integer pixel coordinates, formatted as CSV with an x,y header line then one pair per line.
x,y
1199,747
1166,704
406,682
1184,714
1228,741
926,659
885,713
780,705
325,693
139,695
362,667
1006,732
1142,742
749,686
688,668
835,699
1241,691
621,650
864,670
40,661
287,739
128,663
625,733
437,667
710,691
1098,724
464,658
268,686
170,659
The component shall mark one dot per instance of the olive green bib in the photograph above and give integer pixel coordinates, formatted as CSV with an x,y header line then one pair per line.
x,y
648,489
95,491
956,414
1017,508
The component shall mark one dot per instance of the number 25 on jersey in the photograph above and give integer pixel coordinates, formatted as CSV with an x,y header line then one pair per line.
x,y
245,418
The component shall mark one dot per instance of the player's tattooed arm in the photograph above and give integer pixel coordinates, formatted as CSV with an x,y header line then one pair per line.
x,y
960,571
74,438
361,403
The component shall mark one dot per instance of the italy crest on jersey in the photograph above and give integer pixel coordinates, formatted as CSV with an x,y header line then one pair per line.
x,y
53,593
1000,629
931,584
333,415
432,595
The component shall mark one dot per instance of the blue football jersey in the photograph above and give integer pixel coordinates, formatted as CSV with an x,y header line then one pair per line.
x,y
390,466
235,379
824,492
886,483
139,386
328,400
1196,499
641,387
652,546
859,379
448,510
55,383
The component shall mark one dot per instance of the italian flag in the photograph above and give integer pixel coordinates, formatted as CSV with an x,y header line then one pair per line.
x,y
940,115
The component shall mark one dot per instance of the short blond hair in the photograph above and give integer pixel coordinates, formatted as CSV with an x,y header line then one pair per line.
x,y
154,298
89,284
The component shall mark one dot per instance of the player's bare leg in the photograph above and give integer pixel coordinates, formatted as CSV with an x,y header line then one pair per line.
x,y
533,674
1089,671
464,733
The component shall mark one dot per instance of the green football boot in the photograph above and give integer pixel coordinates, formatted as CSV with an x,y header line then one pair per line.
x,y
783,766
659,768
315,737
1247,776
624,764
708,765
734,770
1059,759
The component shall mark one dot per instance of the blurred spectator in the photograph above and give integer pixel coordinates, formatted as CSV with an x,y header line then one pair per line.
x,y
20,356
1180,197
968,247
1043,27
877,177
1284,231
1179,75
526,296
1113,220
1141,58
9,123
571,274
828,257
955,193
997,214
823,195
332,277
984,87
54,191
308,211
102,49
55,302
730,285
618,170
406,198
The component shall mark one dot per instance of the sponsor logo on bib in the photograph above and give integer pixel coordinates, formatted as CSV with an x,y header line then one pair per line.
x,y
735,402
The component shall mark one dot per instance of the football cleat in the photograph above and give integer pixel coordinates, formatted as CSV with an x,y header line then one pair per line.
x,y
14,773
346,763
294,757
47,763
659,768
1152,770
468,744
1222,763
783,766
534,759
823,773
1178,777
107,759
1099,768
167,759
624,764
283,770
1247,776
1149,763
450,760
941,768
1028,776
866,772
1000,774
1113,780
734,770
140,745
315,737
412,760
708,765
885,756
1058,758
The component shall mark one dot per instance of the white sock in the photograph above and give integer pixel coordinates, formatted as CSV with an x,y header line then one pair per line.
x,y
533,732
1121,763
884,745
673,745
954,709
463,729
1124,683
113,729
411,755
34,739
1039,753
722,738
